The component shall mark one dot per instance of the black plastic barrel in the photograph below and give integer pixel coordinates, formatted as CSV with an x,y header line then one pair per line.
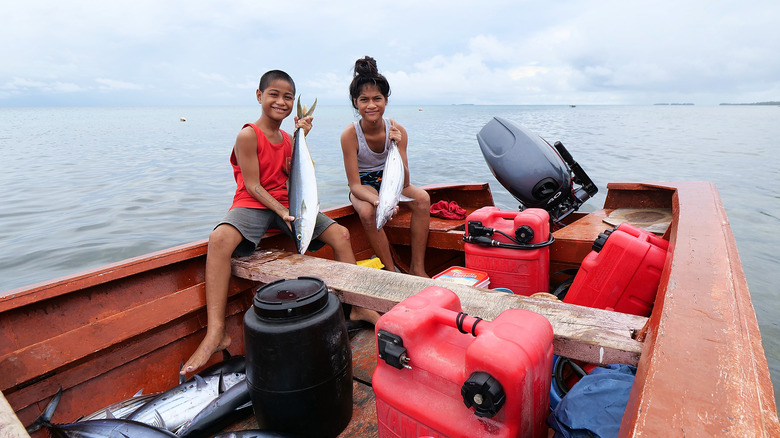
x,y
299,361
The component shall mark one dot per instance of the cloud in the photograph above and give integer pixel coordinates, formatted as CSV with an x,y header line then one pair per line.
x,y
507,52
20,85
111,85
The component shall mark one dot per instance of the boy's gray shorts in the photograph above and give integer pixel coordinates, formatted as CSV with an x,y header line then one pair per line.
x,y
252,223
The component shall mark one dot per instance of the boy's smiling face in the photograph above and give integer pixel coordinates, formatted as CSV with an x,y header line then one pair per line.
x,y
277,99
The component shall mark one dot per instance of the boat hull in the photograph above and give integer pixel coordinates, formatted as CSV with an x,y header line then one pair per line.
x,y
104,334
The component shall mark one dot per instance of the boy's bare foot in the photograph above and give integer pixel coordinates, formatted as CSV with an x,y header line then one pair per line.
x,y
363,314
208,346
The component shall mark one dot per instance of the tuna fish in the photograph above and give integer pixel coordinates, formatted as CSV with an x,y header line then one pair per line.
x,y
175,407
222,411
254,434
393,177
302,187
108,428
122,408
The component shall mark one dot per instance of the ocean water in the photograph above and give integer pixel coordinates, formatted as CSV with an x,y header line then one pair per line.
x,y
82,187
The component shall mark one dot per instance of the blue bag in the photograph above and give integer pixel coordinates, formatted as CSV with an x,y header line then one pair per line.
x,y
594,406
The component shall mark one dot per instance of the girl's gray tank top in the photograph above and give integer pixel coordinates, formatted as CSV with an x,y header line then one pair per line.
x,y
368,160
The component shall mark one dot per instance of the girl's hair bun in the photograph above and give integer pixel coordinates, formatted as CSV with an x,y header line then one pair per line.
x,y
366,66
367,73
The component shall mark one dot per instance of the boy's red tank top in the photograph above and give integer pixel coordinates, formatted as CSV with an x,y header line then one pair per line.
x,y
274,160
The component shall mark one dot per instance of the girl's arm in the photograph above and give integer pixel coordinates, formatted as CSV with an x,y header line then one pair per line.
x,y
349,149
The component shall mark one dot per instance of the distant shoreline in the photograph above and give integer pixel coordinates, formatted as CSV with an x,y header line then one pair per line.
x,y
772,103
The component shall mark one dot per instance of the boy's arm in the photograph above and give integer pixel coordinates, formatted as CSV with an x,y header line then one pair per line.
x,y
246,155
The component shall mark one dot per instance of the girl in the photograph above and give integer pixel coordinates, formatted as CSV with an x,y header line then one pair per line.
x,y
364,145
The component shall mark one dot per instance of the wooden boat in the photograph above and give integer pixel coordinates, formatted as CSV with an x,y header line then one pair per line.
x,y
103,334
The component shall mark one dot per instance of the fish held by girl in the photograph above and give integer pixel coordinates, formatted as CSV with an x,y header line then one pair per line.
x,y
393,177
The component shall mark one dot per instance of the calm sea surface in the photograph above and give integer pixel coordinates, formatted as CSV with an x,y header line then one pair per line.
x,y
82,187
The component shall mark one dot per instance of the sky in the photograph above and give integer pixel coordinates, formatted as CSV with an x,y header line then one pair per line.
x,y
152,52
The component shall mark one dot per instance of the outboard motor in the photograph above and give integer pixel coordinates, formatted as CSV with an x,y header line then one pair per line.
x,y
535,173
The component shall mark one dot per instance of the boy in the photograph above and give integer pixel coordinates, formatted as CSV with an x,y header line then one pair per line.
x,y
260,160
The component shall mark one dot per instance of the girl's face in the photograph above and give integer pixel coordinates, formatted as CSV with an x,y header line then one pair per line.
x,y
277,99
371,103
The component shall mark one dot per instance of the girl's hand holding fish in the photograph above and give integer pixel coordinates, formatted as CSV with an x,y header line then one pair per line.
x,y
395,133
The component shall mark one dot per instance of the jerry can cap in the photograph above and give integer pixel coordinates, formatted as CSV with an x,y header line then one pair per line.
x,y
484,393
601,240
284,299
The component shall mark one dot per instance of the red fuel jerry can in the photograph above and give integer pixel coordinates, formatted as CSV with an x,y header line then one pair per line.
x,y
622,273
442,373
521,265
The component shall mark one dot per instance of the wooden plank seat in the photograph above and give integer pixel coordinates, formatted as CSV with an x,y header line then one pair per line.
x,y
592,335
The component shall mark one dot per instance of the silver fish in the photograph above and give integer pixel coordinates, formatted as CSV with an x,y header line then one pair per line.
x,y
180,404
254,433
121,409
99,428
302,187
392,185
220,412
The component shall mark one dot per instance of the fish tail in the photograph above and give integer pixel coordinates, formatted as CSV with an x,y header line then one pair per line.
x,y
302,111
44,420
311,110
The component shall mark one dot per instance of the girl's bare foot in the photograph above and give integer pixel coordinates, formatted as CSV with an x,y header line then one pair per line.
x,y
211,344
419,273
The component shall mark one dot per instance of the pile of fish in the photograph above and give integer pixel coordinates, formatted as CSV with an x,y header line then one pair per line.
x,y
198,407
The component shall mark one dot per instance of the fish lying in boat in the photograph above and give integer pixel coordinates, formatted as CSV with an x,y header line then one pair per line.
x,y
109,428
393,177
254,434
302,187
175,407
222,411
122,408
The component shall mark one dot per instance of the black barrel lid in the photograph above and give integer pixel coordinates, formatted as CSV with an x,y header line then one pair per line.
x,y
285,299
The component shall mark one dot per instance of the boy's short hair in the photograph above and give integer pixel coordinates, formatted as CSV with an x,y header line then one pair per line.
x,y
273,75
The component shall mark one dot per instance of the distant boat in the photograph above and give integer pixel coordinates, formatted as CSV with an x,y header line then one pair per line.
x,y
572,106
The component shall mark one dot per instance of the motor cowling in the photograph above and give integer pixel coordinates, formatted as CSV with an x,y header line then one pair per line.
x,y
536,173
